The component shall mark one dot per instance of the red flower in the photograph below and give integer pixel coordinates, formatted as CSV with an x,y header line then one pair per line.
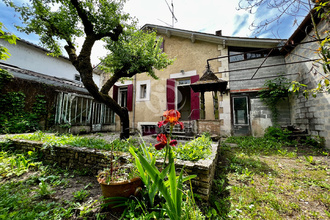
x,y
163,141
172,117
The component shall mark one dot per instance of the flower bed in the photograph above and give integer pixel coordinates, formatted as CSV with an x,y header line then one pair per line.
x,y
94,160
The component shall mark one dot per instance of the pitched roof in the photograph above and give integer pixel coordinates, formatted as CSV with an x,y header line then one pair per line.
x,y
213,38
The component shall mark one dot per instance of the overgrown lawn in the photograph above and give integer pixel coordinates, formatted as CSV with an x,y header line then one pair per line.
x,y
260,178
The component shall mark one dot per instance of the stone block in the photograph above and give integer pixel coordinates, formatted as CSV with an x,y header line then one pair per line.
x,y
319,127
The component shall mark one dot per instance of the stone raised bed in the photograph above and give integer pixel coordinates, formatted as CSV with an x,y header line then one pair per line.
x,y
95,160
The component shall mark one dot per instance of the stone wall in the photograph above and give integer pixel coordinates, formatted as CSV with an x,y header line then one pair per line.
x,y
210,126
96,160
312,114
241,80
261,116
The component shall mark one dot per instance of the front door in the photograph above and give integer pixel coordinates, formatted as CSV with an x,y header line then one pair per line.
x,y
241,116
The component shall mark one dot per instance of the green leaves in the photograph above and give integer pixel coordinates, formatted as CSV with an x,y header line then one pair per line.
x,y
58,20
10,38
135,52
274,91
171,189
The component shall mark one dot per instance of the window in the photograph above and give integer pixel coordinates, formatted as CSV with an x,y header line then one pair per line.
x,y
122,99
142,90
243,53
183,82
123,95
77,77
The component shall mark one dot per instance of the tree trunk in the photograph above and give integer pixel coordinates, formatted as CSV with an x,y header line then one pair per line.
x,y
124,124
84,67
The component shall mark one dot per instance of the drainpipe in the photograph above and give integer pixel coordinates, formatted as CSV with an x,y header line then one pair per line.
x,y
134,101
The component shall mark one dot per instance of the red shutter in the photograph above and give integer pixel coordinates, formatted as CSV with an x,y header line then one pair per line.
x,y
130,97
115,93
194,100
170,94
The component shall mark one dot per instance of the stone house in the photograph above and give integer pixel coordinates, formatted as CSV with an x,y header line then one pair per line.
x,y
245,63
240,112
37,73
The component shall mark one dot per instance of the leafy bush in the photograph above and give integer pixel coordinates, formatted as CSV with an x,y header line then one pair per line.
x,y
199,148
14,118
277,134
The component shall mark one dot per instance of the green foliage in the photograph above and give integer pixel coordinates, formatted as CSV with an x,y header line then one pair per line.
x,y
44,190
275,90
15,165
196,149
277,134
14,117
199,148
65,23
170,191
315,141
10,38
39,107
81,195
135,52
5,77
254,145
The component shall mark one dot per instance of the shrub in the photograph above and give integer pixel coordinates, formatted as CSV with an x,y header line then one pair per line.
x,y
277,134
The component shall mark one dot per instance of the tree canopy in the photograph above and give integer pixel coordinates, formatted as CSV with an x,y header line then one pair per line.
x,y
131,51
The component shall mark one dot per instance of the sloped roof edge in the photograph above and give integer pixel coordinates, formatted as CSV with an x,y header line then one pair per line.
x,y
212,38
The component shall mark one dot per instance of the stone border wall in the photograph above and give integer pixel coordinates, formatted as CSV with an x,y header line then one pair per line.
x,y
96,160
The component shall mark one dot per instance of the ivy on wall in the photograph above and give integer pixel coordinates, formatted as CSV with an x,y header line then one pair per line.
x,y
275,90
17,114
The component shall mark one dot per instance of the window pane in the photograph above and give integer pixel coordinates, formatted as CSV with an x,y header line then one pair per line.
x,y
240,111
235,56
143,91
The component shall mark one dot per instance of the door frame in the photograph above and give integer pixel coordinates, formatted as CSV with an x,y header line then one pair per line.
x,y
237,127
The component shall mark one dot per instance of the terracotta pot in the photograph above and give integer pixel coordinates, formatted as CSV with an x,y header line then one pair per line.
x,y
121,189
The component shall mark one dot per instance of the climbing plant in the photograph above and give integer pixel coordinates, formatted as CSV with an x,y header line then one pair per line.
x,y
14,118
274,90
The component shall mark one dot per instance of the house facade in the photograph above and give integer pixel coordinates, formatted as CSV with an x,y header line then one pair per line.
x,y
73,109
232,59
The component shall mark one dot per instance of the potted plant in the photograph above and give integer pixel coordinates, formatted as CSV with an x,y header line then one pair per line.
x,y
118,183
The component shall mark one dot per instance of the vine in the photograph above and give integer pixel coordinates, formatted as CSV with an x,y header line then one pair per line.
x,y
14,118
275,90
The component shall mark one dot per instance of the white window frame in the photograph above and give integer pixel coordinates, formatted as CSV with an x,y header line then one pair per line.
x,y
138,91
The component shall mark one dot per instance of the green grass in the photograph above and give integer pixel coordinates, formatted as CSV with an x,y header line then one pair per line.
x,y
261,178
28,198
199,148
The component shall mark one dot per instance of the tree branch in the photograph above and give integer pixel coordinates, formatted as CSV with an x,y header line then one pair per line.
x,y
109,84
88,26
113,35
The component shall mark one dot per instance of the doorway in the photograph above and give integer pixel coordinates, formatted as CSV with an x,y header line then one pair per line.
x,y
184,101
241,116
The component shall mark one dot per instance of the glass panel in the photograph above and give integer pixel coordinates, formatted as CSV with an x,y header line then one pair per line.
x,y
240,111
123,97
235,56
253,55
184,82
143,91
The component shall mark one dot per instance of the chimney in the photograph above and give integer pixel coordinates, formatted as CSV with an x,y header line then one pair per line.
x,y
218,33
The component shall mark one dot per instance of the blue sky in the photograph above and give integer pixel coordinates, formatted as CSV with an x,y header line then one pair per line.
x,y
204,16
